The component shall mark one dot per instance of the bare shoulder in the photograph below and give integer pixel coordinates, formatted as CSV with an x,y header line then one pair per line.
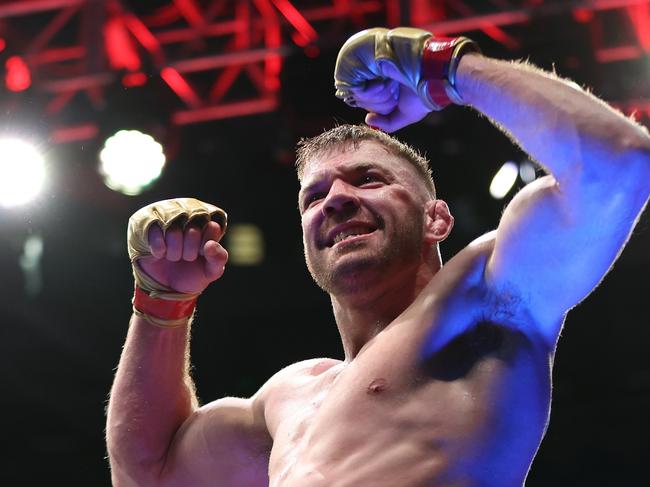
x,y
229,438
466,268
295,374
310,367
225,439
482,246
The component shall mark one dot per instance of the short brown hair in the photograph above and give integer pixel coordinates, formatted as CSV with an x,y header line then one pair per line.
x,y
347,134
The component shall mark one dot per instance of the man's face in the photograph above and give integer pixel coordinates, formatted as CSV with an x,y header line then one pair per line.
x,y
362,217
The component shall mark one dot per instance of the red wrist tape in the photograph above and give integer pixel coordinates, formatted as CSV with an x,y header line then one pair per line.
x,y
439,62
163,309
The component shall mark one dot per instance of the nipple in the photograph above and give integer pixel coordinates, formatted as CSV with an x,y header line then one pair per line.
x,y
377,386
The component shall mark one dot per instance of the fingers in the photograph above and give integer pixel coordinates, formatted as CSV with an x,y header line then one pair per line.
x,y
211,231
389,70
215,255
174,243
378,96
178,244
215,260
391,122
408,110
156,241
387,123
191,243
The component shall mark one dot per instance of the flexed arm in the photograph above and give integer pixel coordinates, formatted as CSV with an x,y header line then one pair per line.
x,y
175,253
559,235
156,433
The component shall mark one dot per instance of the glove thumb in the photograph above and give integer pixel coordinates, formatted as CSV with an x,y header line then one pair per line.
x,y
390,70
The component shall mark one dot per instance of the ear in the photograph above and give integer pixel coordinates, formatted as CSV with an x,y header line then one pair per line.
x,y
438,221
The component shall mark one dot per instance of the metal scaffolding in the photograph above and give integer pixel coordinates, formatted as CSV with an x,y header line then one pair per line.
x,y
63,49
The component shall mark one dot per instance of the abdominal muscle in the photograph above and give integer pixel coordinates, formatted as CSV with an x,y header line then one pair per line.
x,y
332,442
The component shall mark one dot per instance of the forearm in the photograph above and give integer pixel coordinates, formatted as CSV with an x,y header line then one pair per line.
x,y
151,397
568,131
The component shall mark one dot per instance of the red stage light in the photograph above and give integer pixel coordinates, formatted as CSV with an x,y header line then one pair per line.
x,y
119,47
640,17
583,15
77,133
299,39
180,86
18,77
3,44
190,10
130,80
305,31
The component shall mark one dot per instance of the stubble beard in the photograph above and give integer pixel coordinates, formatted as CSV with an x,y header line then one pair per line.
x,y
358,273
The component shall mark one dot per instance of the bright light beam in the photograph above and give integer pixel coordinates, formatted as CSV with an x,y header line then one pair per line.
x,y
131,161
527,171
22,172
504,180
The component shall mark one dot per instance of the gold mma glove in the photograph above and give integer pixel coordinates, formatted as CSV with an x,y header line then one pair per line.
x,y
160,304
425,63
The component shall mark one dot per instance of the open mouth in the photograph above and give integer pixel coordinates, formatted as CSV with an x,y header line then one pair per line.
x,y
349,234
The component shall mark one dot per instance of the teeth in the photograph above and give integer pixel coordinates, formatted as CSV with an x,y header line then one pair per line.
x,y
345,235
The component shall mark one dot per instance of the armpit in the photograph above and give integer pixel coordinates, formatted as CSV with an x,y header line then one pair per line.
x,y
460,356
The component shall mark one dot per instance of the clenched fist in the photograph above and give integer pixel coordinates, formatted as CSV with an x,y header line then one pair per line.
x,y
399,75
174,246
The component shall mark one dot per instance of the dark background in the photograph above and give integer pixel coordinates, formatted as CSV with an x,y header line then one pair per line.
x,y
59,346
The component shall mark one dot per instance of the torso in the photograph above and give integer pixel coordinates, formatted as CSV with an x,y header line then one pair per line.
x,y
470,413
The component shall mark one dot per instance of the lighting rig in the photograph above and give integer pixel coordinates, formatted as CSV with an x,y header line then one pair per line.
x,y
63,49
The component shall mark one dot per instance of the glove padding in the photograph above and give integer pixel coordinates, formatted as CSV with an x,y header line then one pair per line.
x,y
165,213
362,56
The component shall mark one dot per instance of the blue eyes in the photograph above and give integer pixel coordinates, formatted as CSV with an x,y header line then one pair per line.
x,y
365,180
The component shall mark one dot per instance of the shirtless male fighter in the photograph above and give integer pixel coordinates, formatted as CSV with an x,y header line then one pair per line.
x,y
446,379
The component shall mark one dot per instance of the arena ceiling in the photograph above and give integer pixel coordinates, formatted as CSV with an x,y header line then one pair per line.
x,y
228,87
224,59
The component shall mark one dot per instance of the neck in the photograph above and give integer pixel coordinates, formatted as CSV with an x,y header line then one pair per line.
x,y
362,315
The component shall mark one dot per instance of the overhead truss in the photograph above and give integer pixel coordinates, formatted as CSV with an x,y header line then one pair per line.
x,y
63,49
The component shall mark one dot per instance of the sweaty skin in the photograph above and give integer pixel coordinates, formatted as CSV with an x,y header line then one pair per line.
x,y
393,412
446,380
471,413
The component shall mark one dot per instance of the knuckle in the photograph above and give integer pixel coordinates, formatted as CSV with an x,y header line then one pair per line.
x,y
198,222
192,233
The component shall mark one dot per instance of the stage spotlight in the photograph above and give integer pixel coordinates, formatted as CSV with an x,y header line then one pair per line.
x,y
527,171
504,180
245,244
131,161
22,172
18,76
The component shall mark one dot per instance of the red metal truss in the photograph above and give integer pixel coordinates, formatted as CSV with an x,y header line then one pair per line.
x,y
83,47
70,48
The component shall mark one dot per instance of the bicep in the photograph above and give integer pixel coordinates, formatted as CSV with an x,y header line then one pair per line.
x,y
554,244
226,441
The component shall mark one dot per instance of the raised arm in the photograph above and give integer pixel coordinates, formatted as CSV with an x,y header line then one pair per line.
x,y
156,433
559,235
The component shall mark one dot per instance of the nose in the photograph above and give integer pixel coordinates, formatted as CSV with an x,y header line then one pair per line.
x,y
341,197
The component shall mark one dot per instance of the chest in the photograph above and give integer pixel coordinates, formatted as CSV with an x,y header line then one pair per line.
x,y
386,403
